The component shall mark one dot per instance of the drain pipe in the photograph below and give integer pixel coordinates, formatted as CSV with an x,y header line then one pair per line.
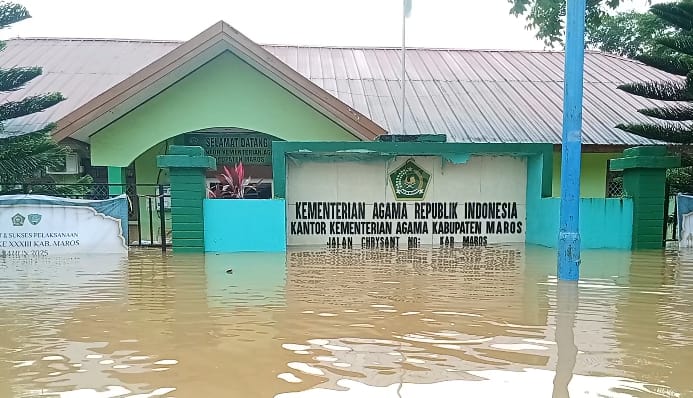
x,y
569,234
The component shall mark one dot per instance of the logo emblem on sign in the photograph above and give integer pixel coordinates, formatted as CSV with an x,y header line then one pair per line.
x,y
34,218
409,181
18,220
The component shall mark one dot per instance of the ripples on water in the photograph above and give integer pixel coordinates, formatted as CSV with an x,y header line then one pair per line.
x,y
331,323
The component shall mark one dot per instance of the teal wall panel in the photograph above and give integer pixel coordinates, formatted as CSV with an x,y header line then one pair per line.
x,y
244,225
604,223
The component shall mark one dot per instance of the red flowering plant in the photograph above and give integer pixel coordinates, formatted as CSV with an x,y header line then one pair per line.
x,y
233,184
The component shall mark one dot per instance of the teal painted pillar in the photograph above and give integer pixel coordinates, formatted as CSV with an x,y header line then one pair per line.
x,y
187,167
644,180
571,143
116,180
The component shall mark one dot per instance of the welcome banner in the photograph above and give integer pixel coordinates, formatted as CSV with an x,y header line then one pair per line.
x,y
35,225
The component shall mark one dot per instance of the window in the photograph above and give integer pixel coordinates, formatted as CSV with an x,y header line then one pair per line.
x,y
614,182
69,165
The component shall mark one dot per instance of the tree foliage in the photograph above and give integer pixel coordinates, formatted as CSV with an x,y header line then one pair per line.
x,y
628,34
660,38
548,16
674,55
24,157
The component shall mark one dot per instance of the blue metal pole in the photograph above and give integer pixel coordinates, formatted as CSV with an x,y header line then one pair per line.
x,y
569,235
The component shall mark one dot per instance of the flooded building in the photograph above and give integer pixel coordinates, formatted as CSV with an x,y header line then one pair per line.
x,y
319,131
129,101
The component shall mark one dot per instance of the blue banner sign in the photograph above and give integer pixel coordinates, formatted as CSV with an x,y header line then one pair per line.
x,y
35,225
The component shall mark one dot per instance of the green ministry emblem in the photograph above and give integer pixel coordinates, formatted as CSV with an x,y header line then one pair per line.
x,y
409,181
18,220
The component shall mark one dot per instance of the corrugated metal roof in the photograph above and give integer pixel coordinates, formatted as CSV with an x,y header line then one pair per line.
x,y
469,95
80,69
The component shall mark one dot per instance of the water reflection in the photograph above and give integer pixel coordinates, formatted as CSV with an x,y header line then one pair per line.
x,y
567,302
444,323
245,279
655,319
478,324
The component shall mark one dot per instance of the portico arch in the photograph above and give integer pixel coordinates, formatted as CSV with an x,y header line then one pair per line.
x,y
148,176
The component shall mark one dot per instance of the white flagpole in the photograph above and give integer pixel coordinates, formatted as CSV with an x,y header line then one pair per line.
x,y
405,11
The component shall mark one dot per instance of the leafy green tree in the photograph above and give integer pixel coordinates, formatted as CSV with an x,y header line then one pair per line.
x,y
547,16
24,157
677,59
629,34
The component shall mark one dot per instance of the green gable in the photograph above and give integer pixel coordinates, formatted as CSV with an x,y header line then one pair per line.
x,y
225,92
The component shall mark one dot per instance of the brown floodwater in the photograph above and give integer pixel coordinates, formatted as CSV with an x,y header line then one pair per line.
x,y
341,323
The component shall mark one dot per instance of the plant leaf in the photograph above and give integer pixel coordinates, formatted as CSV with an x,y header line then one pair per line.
x,y
675,113
663,91
671,133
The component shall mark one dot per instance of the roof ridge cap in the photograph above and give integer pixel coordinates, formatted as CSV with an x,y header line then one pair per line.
x,y
102,39
347,47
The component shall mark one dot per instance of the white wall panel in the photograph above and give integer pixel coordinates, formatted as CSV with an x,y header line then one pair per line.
x,y
482,181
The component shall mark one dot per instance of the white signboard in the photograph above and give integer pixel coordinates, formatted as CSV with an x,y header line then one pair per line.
x,y
408,202
41,226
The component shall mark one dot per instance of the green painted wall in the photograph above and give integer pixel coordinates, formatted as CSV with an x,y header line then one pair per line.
x,y
592,174
146,171
646,186
116,176
225,92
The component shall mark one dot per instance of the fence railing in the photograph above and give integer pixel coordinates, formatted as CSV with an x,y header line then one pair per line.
x,y
149,205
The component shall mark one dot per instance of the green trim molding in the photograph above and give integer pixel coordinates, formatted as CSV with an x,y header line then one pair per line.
x,y
644,180
187,167
645,157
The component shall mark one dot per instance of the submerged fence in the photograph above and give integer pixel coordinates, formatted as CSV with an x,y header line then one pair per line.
x,y
149,212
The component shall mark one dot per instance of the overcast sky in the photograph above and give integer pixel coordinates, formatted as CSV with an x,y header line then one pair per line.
x,y
433,23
